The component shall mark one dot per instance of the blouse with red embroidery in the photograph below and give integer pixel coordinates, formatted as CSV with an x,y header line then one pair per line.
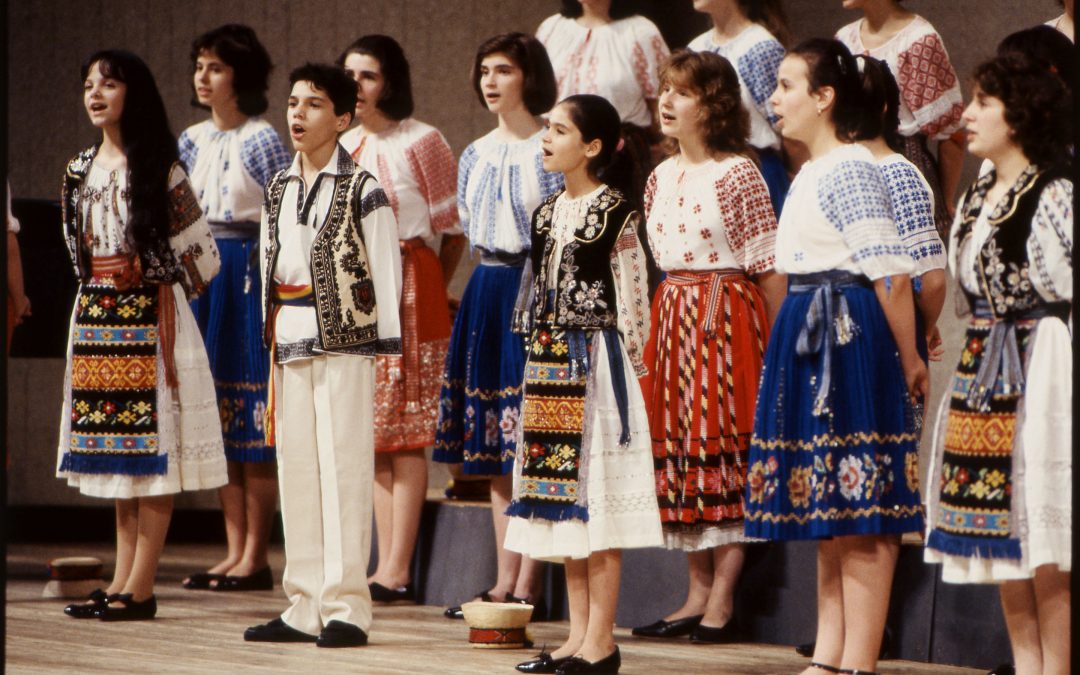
x,y
930,98
716,215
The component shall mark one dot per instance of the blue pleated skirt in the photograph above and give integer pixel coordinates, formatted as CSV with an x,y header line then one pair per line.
x,y
229,314
480,401
852,469
776,177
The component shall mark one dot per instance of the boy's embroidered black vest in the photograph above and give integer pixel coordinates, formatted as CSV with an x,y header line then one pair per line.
x,y
1003,265
341,281
157,264
585,288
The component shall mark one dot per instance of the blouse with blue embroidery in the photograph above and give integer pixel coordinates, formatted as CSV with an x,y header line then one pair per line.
x,y
229,169
913,207
756,56
839,216
500,184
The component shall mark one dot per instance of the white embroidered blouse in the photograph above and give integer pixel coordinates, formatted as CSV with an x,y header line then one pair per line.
x,y
913,208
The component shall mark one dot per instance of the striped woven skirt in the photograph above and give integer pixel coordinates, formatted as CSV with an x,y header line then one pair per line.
x,y
705,354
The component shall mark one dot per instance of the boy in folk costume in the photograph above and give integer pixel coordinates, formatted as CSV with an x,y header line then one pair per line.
x,y
332,284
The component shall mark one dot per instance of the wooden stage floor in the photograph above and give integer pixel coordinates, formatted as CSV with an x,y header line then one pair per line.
x,y
202,632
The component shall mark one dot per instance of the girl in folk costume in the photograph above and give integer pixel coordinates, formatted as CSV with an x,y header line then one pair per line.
x,y
418,173
828,462
501,180
140,420
751,34
602,47
930,99
583,476
230,157
1001,478
912,200
711,225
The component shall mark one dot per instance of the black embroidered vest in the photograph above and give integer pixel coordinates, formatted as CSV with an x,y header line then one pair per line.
x,y
157,263
1003,265
341,281
585,288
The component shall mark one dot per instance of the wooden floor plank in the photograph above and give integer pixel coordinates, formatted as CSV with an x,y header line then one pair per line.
x,y
201,632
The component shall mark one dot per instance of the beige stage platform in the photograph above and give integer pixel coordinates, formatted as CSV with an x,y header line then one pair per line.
x,y
201,632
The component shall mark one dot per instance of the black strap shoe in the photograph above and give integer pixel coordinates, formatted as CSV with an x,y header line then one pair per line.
x,y
276,631
130,611
609,664
340,634
89,610
263,580
542,663
668,629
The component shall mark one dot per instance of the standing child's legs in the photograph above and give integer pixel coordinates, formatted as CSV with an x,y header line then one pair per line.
x,y
1022,619
509,563
605,569
260,497
829,645
154,514
727,565
867,564
577,595
383,502
127,533
700,569
1053,601
401,478
232,508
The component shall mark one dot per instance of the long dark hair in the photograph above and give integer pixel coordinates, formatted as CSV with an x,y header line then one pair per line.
x,y
240,49
879,92
396,100
770,14
149,145
596,118
829,63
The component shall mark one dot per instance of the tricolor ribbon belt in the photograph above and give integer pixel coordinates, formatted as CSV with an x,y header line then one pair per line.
x,y
828,321
409,320
125,272
715,280
281,295
1001,354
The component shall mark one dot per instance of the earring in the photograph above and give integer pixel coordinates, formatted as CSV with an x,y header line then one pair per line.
x,y
819,111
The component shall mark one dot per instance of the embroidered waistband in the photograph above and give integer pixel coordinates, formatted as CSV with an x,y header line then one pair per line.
x,y
112,265
240,229
1001,354
828,321
289,295
715,279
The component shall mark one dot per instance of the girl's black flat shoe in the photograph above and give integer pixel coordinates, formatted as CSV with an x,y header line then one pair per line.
x,y
263,580
380,593
200,581
89,610
131,610
668,629
608,665
542,663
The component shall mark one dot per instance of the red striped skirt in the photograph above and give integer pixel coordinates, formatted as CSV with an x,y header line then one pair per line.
x,y
705,354
407,408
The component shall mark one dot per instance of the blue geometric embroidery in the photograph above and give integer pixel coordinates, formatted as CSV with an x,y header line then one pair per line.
x,y
855,199
465,166
913,207
264,155
187,150
758,67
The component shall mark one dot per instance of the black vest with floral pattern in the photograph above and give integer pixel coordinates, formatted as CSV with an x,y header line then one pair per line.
x,y
585,288
1003,265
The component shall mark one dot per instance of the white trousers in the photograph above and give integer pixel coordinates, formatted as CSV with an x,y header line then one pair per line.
x,y
326,462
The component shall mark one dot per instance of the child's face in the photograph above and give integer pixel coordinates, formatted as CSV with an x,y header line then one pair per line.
x,y
501,80
988,134
564,149
680,111
103,98
311,118
367,73
793,102
213,80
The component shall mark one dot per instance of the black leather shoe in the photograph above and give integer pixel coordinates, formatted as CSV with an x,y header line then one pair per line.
x,y
341,634
456,613
668,629
263,580
703,634
380,593
1003,669
130,611
609,664
89,610
542,663
276,631
539,613
200,581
